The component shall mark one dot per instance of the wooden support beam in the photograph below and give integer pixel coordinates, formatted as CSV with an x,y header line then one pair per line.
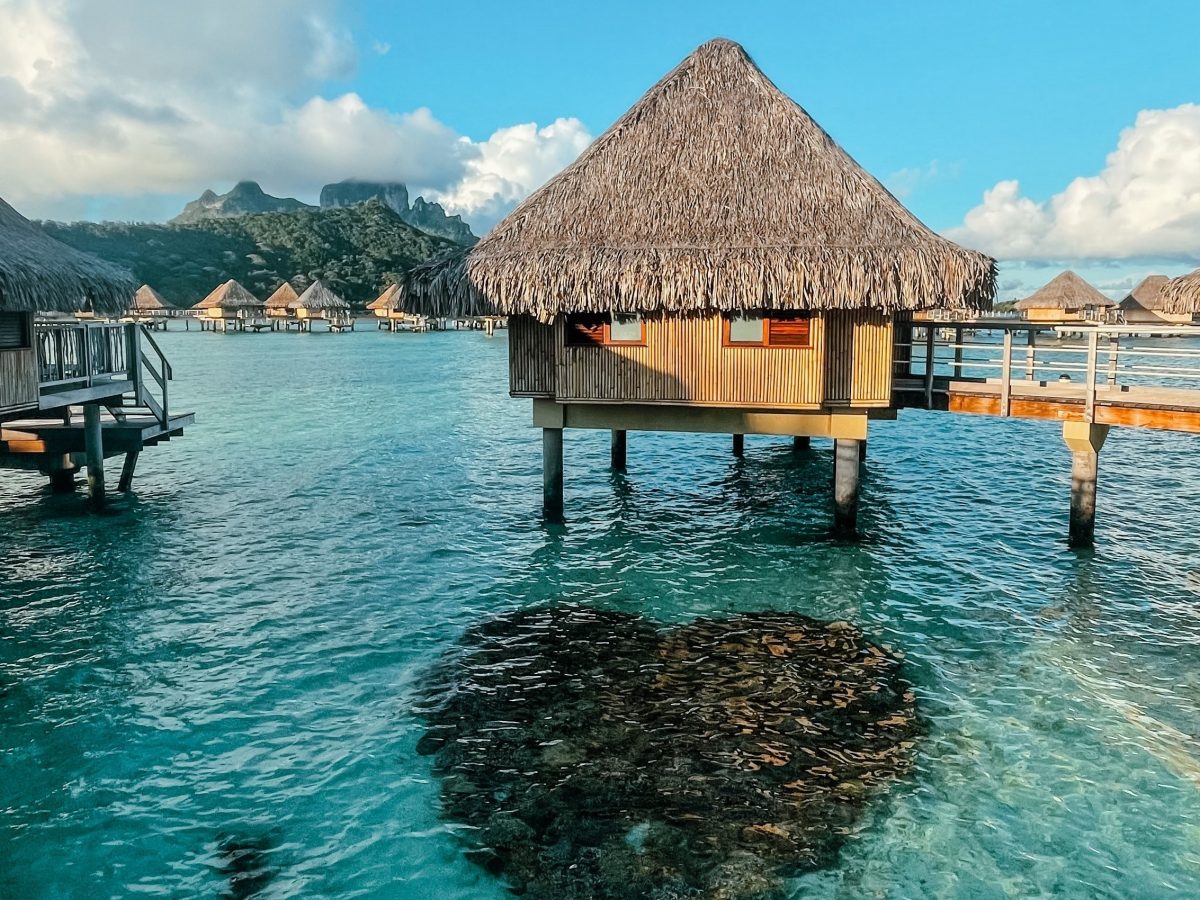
x,y
1084,440
739,444
845,487
552,470
619,446
127,471
93,442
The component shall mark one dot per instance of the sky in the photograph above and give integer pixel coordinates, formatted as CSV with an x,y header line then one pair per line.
x,y
1050,135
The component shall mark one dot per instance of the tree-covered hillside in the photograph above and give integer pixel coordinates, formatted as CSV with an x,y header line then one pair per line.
x,y
356,250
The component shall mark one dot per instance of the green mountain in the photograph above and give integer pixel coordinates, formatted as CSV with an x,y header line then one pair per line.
x,y
244,198
356,250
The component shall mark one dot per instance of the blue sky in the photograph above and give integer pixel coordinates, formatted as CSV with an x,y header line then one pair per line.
x,y
1049,134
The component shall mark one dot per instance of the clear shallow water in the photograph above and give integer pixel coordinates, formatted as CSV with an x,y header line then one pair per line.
x,y
230,660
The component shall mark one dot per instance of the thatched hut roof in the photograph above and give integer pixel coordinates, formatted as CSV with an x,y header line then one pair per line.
x,y
714,192
230,295
1145,302
40,274
317,296
1065,291
389,299
147,299
285,295
1182,295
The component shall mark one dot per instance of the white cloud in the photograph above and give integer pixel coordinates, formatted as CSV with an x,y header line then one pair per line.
x,y
905,182
129,98
510,164
1145,202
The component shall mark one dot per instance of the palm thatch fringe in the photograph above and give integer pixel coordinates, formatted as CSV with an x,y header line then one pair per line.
x,y
317,296
1182,295
714,192
40,274
283,297
230,295
1065,290
147,299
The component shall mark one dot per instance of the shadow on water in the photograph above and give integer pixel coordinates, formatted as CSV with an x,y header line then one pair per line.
x,y
244,862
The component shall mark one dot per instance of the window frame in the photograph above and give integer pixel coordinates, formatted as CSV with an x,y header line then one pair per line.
x,y
25,326
767,316
606,339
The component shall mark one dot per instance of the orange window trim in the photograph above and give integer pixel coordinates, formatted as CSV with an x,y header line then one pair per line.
x,y
766,341
606,339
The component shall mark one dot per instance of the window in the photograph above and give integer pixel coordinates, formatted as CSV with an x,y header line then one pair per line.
x,y
774,329
599,329
14,330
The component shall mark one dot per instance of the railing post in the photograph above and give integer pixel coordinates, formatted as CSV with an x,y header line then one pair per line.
x,y
1114,352
1031,355
1006,374
1089,409
958,353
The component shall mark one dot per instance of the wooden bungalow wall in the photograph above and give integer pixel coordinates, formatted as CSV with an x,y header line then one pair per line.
x,y
683,361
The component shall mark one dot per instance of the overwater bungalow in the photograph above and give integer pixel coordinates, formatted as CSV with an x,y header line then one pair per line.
x,y
1146,304
714,262
1065,298
73,392
231,306
317,303
149,308
1181,296
278,304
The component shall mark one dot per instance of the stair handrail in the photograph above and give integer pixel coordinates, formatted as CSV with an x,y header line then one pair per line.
x,y
162,375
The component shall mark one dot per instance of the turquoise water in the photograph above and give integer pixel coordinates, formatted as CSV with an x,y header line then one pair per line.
x,y
219,676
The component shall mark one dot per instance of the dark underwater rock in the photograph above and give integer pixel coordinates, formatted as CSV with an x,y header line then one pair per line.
x,y
598,756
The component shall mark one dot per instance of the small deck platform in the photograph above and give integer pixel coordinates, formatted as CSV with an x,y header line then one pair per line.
x,y
42,444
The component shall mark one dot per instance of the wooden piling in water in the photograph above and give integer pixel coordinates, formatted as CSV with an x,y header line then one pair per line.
x,y
620,442
846,465
93,442
127,470
800,442
1084,440
552,470
739,444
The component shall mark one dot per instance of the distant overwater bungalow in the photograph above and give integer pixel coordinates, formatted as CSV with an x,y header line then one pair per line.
x,y
277,305
1065,298
73,393
319,303
231,307
149,308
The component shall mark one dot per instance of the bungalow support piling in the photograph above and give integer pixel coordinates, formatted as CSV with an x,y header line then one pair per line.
x,y
93,442
739,444
801,443
1084,440
619,444
847,460
552,470
127,470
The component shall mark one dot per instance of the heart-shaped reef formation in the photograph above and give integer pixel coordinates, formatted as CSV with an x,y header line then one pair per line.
x,y
594,755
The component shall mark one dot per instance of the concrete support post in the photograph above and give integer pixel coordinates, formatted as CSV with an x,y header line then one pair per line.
x,y
845,487
1084,440
739,444
62,481
552,469
93,443
619,446
801,442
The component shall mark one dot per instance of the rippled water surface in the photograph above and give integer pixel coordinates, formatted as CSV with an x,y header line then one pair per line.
x,y
210,691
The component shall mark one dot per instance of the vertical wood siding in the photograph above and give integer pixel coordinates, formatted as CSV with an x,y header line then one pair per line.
x,y
682,361
530,357
18,379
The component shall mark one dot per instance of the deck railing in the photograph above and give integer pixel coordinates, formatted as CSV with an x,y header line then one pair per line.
x,y
79,356
1098,361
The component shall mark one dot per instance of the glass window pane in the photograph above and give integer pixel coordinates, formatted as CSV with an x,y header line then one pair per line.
x,y
625,328
746,329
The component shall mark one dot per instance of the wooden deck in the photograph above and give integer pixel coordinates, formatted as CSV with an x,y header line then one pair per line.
x,y
41,444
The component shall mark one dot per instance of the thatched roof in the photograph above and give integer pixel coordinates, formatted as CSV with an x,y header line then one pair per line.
x,y
715,191
1146,298
230,295
1065,291
1182,295
40,274
317,296
285,295
389,299
147,299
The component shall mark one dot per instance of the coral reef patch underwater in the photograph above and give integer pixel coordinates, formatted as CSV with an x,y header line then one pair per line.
x,y
595,755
